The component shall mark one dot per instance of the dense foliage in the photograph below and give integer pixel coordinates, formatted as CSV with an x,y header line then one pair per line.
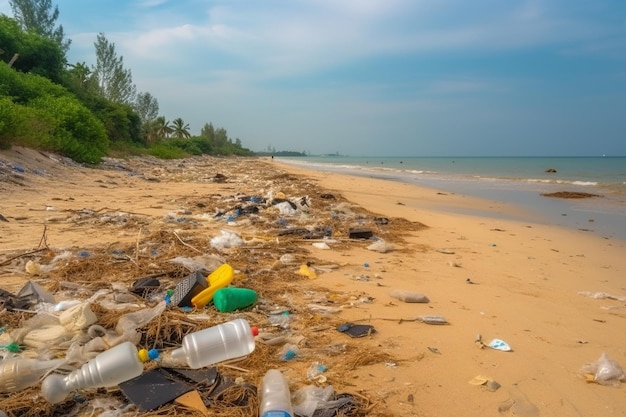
x,y
81,111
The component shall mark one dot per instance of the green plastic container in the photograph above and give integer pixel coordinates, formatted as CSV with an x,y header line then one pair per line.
x,y
232,298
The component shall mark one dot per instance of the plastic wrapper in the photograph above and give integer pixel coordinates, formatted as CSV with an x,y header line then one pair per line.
x,y
604,371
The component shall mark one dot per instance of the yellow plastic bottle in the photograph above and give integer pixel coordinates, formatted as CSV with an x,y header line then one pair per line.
x,y
219,278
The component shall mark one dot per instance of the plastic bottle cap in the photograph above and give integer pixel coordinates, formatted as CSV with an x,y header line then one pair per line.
x,y
255,330
153,354
143,355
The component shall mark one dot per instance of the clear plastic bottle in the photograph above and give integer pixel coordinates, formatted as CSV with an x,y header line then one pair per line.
x,y
275,398
109,368
229,340
18,373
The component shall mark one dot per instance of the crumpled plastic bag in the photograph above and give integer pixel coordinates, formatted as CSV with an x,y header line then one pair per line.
x,y
206,263
604,371
380,246
227,240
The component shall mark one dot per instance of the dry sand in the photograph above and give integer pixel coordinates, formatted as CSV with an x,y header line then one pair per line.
x,y
526,279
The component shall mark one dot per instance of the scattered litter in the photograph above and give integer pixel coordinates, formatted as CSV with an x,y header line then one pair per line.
x,y
432,320
604,371
356,330
496,344
481,380
409,296
380,246
306,271
321,245
601,296
446,251
360,233
227,240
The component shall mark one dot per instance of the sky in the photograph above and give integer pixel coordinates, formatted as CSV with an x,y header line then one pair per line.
x,y
376,77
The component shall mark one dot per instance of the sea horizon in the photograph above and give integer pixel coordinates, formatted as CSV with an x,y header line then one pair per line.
x,y
518,180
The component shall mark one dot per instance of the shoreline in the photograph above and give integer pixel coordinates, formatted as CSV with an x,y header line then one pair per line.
x,y
604,216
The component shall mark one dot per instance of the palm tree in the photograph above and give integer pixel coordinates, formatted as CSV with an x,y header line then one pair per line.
x,y
163,128
180,129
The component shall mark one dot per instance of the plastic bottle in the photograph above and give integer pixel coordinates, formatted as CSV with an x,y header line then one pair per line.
x,y
229,340
232,298
18,373
109,368
409,296
275,396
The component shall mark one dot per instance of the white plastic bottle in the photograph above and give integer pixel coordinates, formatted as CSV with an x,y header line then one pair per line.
x,y
109,368
275,398
229,340
18,373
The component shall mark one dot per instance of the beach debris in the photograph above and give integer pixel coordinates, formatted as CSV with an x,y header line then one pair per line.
x,y
602,295
409,296
229,299
436,320
487,382
469,281
304,270
321,245
604,371
356,330
160,386
3,219
122,281
316,371
147,285
499,344
380,246
496,344
203,263
434,350
36,293
193,401
354,233
187,289
311,400
446,251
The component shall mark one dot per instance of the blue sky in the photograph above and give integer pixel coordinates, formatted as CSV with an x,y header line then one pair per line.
x,y
376,77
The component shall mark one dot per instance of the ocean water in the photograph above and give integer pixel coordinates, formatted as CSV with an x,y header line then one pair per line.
x,y
515,180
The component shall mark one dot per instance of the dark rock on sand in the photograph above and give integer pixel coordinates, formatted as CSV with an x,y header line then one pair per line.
x,y
570,194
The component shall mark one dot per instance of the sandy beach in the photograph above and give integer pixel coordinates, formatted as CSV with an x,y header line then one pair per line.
x,y
556,296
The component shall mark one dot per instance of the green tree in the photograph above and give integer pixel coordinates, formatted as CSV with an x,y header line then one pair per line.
x,y
180,129
79,79
147,107
162,128
208,132
40,17
221,137
37,54
115,82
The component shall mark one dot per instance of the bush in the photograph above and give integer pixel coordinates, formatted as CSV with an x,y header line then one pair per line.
x,y
166,151
72,129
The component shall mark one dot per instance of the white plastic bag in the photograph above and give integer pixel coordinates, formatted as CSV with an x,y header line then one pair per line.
x,y
604,371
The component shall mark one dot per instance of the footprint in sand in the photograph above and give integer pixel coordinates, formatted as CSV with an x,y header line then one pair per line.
x,y
518,406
